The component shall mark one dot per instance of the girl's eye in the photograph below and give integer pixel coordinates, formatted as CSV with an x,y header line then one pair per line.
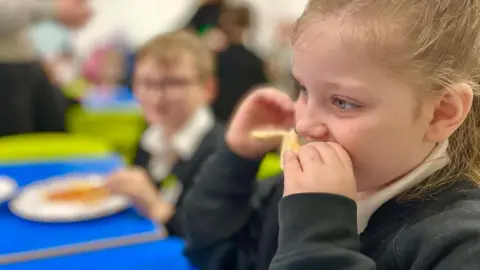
x,y
301,90
344,105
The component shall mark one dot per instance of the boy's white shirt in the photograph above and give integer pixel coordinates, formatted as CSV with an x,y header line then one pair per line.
x,y
183,145
437,159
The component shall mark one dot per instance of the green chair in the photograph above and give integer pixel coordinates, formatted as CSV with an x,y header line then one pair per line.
x,y
269,167
119,128
76,89
50,146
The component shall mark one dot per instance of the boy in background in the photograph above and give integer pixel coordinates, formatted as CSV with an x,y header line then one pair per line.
x,y
174,82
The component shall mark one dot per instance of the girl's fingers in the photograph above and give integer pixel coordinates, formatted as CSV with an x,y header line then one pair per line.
x,y
342,155
291,169
309,156
328,154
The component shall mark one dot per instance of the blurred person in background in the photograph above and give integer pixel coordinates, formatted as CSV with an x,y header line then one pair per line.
x,y
205,22
28,100
61,68
174,82
107,77
239,69
207,15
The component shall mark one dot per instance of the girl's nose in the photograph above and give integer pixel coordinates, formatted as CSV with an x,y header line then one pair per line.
x,y
311,130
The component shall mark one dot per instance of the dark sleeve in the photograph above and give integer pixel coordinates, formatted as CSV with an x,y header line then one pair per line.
x,y
50,104
217,210
141,159
175,225
319,231
448,240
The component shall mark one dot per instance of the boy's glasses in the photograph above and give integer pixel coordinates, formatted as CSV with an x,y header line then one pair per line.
x,y
165,84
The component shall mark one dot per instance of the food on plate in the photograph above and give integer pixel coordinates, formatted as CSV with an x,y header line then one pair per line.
x,y
79,192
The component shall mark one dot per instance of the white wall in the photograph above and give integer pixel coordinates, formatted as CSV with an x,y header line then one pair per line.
x,y
142,19
139,19
269,13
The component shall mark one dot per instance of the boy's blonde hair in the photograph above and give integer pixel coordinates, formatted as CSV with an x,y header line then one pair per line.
x,y
168,49
434,44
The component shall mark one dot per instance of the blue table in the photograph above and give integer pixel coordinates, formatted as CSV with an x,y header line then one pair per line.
x,y
163,254
17,235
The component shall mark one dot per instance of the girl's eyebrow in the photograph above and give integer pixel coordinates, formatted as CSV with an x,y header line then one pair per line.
x,y
344,84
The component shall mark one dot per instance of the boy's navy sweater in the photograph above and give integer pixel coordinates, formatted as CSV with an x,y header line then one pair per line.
x,y
185,171
231,222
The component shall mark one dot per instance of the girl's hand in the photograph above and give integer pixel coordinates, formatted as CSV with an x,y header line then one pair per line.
x,y
264,108
319,167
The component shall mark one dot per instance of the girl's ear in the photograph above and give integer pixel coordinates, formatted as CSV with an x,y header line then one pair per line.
x,y
452,108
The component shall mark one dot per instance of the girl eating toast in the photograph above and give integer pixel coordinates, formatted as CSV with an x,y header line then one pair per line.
x,y
387,175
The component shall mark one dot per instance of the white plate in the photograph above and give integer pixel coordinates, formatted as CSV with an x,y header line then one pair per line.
x,y
31,203
7,188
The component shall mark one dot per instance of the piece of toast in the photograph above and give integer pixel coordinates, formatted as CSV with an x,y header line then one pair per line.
x,y
268,134
291,141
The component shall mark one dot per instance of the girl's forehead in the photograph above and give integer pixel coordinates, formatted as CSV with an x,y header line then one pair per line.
x,y
307,36
327,49
357,38
322,40
333,64
327,57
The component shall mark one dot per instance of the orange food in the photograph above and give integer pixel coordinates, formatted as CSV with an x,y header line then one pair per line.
x,y
84,193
